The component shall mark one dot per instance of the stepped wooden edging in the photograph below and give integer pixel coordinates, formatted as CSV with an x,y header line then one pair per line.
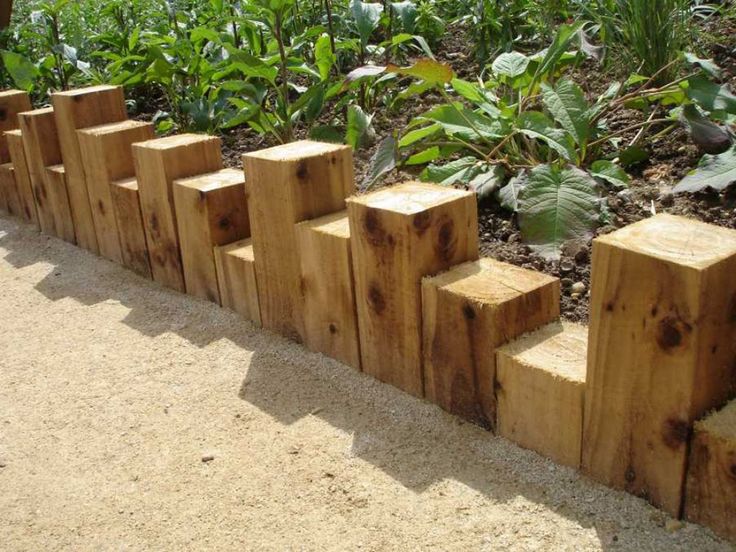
x,y
393,286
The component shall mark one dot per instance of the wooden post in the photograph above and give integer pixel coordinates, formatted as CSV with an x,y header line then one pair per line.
x,y
157,164
57,193
236,277
41,147
6,11
127,207
22,176
12,102
661,350
711,478
469,312
398,236
107,156
541,391
76,109
330,318
11,199
286,185
211,210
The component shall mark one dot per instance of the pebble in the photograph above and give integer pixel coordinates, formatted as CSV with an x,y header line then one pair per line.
x,y
567,283
578,287
667,198
208,458
3,464
566,265
673,525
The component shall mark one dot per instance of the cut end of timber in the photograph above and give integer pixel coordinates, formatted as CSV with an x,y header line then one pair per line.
x,y
675,239
86,90
127,183
410,198
295,151
36,112
16,133
176,141
721,424
334,224
214,180
114,128
57,169
242,250
5,94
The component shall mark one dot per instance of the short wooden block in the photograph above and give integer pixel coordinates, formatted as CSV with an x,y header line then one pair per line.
x,y
661,351
76,109
236,277
470,311
541,391
127,208
398,236
57,192
157,164
329,314
107,156
11,199
711,477
22,176
12,102
286,185
42,149
211,210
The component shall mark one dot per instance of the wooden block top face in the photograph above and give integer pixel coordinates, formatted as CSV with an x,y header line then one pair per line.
x,y
175,141
560,349
58,169
127,183
296,151
86,90
114,128
490,282
16,133
217,180
335,224
37,112
242,249
676,240
5,94
720,424
410,198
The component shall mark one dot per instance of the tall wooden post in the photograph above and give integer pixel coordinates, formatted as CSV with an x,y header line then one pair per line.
x,y
157,164
22,176
661,350
12,102
107,155
127,206
236,279
6,11
286,185
399,235
76,109
57,196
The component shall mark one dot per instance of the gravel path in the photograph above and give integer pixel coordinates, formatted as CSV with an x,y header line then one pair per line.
x,y
135,418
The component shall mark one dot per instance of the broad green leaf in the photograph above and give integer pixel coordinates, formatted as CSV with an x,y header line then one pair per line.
x,y
508,196
711,96
361,73
429,70
714,171
367,17
360,131
707,135
563,39
407,13
568,106
420,134
460,170
464,123
383,161
21,70
487,183
537,125
326,133
557,204
633,155
610,172
707,65
423,157
253,67
323,56
511,65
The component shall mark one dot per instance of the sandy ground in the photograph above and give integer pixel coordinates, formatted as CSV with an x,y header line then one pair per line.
x,y
113,392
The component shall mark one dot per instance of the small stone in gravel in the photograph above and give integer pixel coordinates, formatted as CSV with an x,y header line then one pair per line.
x,y
673,525
567,283
3,464
208,458
578,287
667,198
566,265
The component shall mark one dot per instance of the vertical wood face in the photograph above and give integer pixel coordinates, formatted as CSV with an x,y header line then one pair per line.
x,y
158,163
41,147
236,277
661,350
106,153
211,210
77,109
127,208
287,185
541,391
11,199
398,236
329,312
470,311
12,102
711,478
57,193
22,176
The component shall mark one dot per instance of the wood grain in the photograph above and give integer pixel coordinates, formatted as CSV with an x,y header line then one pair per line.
x,y
127,207
237,281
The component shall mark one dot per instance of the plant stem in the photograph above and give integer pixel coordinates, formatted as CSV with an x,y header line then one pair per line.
x,y
284,74
628,129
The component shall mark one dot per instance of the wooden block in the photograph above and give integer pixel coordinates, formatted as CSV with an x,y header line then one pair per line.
x,y
236,277
661,350
399,235
3,199
107,155
470,311
41,147
57,193
127,208
211,210
76,109
541,391
12,102
11,200
329,314
158,163
22,176
711,477
286,185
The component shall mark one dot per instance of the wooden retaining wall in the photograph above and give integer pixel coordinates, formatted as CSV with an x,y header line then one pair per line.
x,y
391,284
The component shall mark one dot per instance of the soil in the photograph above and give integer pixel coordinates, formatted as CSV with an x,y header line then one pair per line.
x,y
136,418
